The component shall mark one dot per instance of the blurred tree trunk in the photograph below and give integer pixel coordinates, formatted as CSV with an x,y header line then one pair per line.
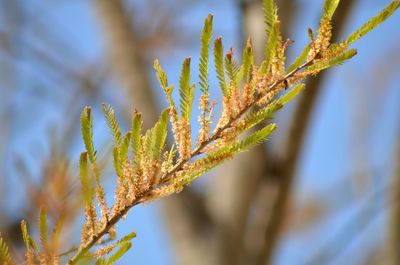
x,y
295,143
234,184
394,212
125,60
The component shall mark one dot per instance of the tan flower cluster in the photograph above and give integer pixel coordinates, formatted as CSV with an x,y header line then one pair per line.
x,y
204,119
322,42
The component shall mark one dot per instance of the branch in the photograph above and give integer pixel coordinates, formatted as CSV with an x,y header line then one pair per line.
x,y
168,178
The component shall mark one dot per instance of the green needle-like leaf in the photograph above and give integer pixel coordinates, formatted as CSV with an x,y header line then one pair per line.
x,y
330,7
4,253
136,138
112,122
156,136
248,60
162,77
43,230
373,22
219,64
87,190
270,15
87,133
119,253
205,38
334,61
186,91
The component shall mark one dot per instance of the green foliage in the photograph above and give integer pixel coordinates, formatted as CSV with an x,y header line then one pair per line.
x,y
248,60
162,77
324,64
124,245
85,179
117,161
205,38
127,238
219,64
112,122
29,242
237,147
273,40
87,133
4,254
270,15
136,138
330,7
119,253
232,69
373,22
186,90
254,139
156,136
120,155
271,29
43,229
124,148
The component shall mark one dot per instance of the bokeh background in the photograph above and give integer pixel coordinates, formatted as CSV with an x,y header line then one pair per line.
x,y
334,162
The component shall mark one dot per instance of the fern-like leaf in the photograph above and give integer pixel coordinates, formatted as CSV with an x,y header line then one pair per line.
x,y
270,48
270,15
29,242
124,148
232,69
161,75
373,22
119,253
85,179
205,38
117,161
126,238
87,133
156,136
162,78
136,138
43,229
248,60
330,7
270,21
219,64
4,254
254,139
112,122
319,66
186,91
